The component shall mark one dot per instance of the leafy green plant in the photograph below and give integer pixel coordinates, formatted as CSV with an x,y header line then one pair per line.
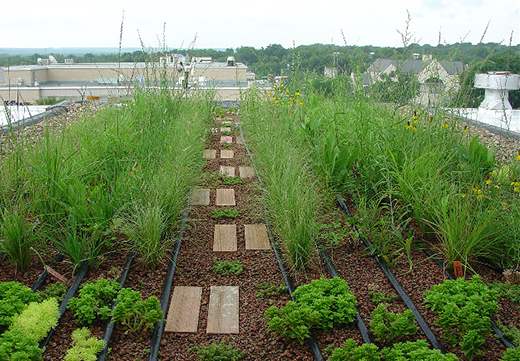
x,y
351,351
389,326
225,213
332,299
84,347
94,301
226,132
464,309
218,352
418,351
511,355
511,332
15,345
228,267
379,297
268,290
37,319
55,290
507,290
14,298
18,238
136,315
292,321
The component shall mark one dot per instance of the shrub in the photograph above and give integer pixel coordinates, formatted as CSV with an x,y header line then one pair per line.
x,y
84,347
94,300
511,355
292,321
218,352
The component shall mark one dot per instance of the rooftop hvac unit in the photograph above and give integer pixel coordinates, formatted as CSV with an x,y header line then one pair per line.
x,y
41,61
231,61
69,61
19,81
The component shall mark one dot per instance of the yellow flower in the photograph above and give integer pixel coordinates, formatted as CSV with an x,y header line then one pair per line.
x,y
497,186
465,130
463,196
424,128
489,181
504,206
301,103
445,125
518,157
492,172
415,120
516,189
297,94
414,128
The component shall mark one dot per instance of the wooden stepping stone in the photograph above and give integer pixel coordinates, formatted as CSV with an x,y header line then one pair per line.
x,y
229,171
209,154
223,309
183,315
246,172
225,129
225,238
256,237
226,139
200,197
225,197
227,154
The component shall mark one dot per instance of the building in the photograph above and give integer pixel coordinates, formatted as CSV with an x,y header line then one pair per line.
x,y
27,83
439,80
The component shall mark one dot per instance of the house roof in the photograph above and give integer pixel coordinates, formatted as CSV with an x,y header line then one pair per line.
x,y
413,65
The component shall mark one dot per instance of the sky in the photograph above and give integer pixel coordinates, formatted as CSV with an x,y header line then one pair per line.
x,y
231,24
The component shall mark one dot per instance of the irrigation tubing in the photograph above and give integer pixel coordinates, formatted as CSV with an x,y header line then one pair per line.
x,y
451,276
397,286
70,293
333,273
109,328
165,297
313,343
43,276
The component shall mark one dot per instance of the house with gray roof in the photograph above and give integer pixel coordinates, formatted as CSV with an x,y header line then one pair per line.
x,y
439,80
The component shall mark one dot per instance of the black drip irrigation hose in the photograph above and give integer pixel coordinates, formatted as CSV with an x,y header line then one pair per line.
x,y
397,286
312,341
451,276
70,293
333,273
165,297
43,276
109,328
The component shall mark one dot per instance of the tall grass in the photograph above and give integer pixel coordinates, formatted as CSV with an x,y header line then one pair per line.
x,y
103,171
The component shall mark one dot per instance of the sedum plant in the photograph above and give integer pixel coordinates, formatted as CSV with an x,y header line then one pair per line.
x,y
389,326
37,319
14,298
464,309
351,351
94,301
218,352
136,315
229,267
15,345
84,347
323,303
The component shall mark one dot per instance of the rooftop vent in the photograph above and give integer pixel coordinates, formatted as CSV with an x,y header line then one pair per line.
x,y
69,61
231,61
41,61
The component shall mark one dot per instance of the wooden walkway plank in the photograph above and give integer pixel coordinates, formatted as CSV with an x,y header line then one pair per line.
x,y
223,310
246,172
200,197
226,139
227,154
256,237
209,154
225,197
227,170
225,238
183,315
